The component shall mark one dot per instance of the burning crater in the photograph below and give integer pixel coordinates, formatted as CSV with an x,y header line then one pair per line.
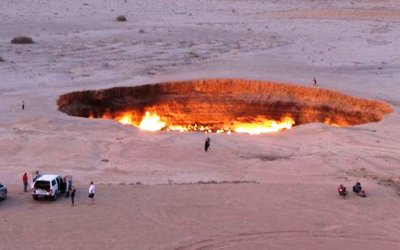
x,y
222,105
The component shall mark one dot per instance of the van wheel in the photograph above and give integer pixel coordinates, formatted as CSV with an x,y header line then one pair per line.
x,y
55,196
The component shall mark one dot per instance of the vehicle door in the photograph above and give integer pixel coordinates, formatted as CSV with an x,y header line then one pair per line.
x,y
68,182
58,180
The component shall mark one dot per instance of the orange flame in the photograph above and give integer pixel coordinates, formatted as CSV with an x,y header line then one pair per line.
x,y
125,119
152,122
339,122
266,126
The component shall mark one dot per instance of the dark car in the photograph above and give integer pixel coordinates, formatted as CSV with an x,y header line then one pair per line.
x,y
3,192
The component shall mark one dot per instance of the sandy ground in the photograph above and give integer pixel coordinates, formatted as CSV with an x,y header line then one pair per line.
x,y
351,47
213,216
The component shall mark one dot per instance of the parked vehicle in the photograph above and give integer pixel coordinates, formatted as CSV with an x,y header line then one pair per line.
x,y
3,192
51,186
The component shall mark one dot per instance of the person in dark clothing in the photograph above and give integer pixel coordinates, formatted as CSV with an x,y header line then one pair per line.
x,y
23,105
25,182
63,185
207,144
358,190
73,190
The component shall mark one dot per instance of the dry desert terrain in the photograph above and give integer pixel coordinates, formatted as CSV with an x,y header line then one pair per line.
x,y
160,190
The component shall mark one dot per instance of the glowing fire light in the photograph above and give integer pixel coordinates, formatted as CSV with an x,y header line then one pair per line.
x,y
267,126
153,122
125,119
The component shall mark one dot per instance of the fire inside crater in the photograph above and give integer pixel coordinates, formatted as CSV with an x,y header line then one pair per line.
x,y
222,105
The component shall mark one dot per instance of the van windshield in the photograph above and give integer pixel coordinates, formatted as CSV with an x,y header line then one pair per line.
x,y
42,185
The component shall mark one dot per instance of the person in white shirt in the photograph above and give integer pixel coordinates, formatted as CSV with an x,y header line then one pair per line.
x,y
92,191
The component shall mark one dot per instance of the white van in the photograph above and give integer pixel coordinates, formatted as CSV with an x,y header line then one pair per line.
x,y
51,186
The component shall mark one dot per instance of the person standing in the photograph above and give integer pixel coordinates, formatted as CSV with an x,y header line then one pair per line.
x,y
73,190
35,176
69,186
207,144
92,191
314,81
25,182
23,105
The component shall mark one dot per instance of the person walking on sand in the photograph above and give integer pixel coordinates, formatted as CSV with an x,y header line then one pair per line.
x,y
207,144
25,182
73,190
314,81
92,191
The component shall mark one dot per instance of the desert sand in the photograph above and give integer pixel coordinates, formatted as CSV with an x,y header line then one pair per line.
x,y
160,190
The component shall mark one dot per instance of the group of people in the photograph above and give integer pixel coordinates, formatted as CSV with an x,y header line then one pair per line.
x,y
357,189
92,191
69,193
